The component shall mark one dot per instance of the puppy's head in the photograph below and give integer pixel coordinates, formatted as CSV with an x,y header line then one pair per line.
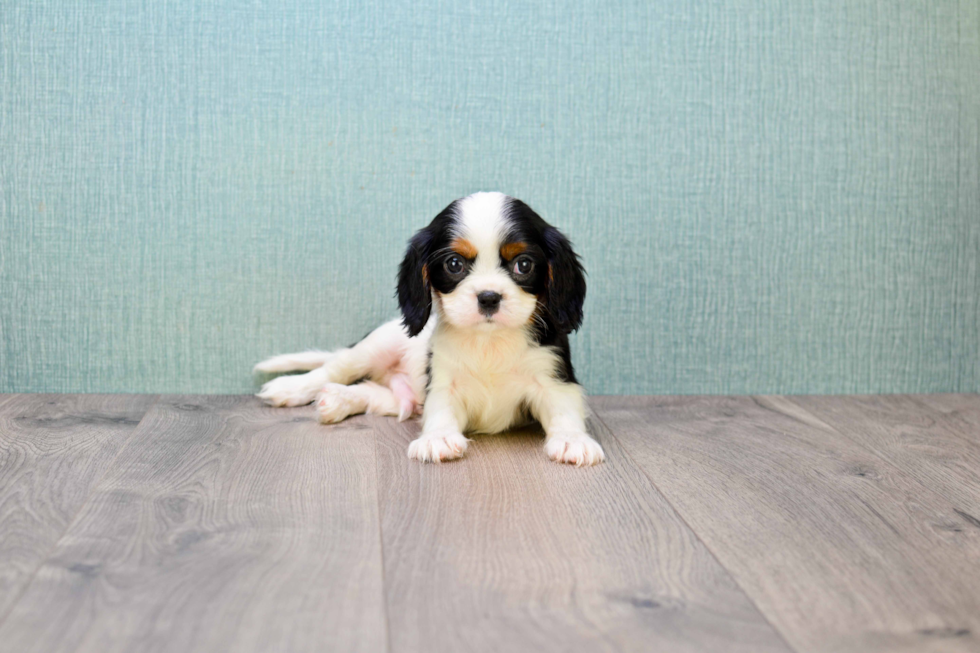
x,y
490,262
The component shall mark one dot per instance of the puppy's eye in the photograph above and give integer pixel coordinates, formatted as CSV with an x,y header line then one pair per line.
x,y
454,266
523,266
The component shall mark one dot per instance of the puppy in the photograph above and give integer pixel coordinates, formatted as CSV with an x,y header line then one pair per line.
x,y
488,293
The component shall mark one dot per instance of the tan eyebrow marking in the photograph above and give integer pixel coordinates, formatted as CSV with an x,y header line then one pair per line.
x,y
464,248
510,250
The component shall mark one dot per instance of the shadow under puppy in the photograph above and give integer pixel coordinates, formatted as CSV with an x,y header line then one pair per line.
x,y
489,293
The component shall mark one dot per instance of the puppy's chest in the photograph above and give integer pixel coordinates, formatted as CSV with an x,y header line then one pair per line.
x,y
491,377
492,361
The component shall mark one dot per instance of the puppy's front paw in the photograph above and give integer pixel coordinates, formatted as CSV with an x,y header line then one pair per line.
x,y
287,391
437,447
335,402
575,449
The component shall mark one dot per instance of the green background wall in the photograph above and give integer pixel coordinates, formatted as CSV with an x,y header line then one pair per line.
x,y
771,196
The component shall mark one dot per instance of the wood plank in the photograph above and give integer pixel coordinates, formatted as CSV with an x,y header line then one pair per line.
x,y
935,447
841,550
53,450
505,550
960,412
967,402
223,526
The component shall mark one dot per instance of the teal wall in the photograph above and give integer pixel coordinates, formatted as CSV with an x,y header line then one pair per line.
x,y
774,196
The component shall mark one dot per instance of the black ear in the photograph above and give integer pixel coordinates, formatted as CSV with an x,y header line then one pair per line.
x,y
566,281
414,290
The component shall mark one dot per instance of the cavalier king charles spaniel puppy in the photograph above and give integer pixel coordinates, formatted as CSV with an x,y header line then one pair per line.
x,y
488,293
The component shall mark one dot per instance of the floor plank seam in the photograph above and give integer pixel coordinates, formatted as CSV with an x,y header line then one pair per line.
x,y
871,451
915,399
74,518
381,543
684,521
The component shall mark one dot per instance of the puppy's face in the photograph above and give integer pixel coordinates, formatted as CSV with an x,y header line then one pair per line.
x,y
490,262
487,275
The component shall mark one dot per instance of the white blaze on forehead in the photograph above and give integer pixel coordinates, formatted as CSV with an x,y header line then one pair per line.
x,y
481,221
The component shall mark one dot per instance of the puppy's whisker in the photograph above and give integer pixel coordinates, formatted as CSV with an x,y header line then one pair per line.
x,y
539,320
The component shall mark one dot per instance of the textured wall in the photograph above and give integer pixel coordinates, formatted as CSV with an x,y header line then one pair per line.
x,y
769,196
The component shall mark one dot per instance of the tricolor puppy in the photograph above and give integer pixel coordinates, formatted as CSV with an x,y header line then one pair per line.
x,y
489,293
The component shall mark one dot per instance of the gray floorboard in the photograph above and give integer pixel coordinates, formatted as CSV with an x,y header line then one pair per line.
x,y
505,550
53,449
222,526
962,410
841,549
939,450
717,524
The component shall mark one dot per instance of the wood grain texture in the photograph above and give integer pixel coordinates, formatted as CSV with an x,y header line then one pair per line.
x,y
840,549
53,450
960,413
223,526
941,449
506,551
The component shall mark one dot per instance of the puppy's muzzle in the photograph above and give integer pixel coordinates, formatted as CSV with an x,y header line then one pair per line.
x,y
489,302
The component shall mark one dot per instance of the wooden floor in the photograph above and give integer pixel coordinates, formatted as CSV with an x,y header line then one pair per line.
x,y
191,523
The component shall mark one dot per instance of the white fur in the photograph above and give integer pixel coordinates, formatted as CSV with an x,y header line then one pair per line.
x,y
487,373
336,402
384,354
305,360
482,381
481,222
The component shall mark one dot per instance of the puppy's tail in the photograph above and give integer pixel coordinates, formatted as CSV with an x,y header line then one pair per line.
x,y
302,361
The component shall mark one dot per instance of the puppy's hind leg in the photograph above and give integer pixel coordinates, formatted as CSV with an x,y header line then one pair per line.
x,y
304,360
297,390
370,358
337,402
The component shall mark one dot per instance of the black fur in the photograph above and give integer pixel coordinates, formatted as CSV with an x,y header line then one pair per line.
x,y
558,279
414,290
563,283
559,282
415,272
559,341
566,282
428,370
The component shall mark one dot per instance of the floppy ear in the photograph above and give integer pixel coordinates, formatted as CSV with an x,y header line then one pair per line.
x,y
414,290
566,281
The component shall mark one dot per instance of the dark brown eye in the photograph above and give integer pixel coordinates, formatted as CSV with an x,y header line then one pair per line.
x,y
523,266
454,266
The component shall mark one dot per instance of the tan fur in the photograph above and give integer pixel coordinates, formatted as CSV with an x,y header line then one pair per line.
x,y
510,250
464,248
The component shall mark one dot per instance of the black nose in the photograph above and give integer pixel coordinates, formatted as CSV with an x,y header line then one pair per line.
x,y
489,302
